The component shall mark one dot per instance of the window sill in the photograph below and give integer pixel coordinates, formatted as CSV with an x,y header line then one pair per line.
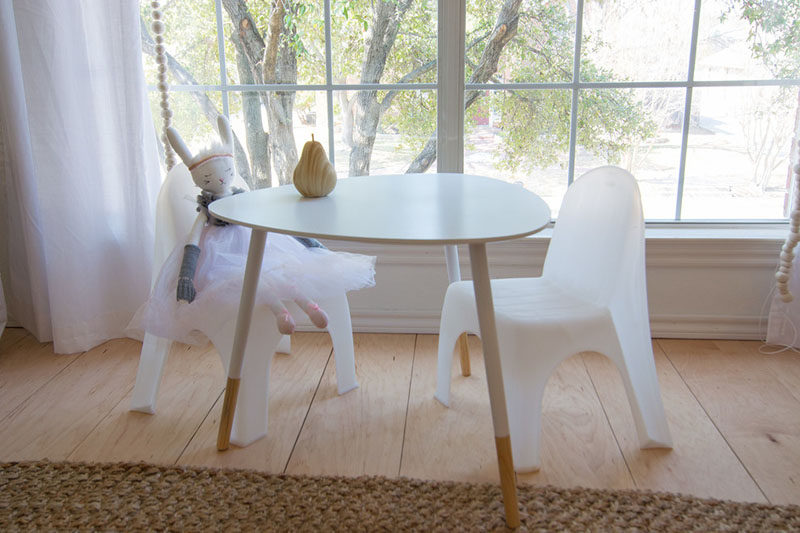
x,y
700,231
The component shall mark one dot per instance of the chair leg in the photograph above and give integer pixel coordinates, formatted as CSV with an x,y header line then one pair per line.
x,y
285,344
463,349
524,396
444,363
148,376
340,328
251,415
637,368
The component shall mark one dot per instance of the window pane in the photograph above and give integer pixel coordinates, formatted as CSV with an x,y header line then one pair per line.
x,y
412,58
642,40
193,115
724,50
541,50
190,38
404,134
271,144
300,52
520,137
639,130
738,158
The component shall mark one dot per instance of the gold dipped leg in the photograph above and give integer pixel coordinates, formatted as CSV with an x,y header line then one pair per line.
x,y
508,480
464,351
228,410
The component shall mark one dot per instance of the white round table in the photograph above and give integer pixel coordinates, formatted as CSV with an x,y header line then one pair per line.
x,y
394,209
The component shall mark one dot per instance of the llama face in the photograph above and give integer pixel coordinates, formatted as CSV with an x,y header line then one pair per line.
x,y
215,174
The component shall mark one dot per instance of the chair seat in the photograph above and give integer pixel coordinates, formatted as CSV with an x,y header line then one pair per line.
x,y
527,301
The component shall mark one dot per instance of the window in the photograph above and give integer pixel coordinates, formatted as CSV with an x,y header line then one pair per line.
x,y
697,98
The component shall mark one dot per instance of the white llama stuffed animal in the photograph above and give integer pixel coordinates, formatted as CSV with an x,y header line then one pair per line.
x,y
214,172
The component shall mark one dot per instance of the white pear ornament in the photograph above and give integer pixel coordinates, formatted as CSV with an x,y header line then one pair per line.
x,y
314,176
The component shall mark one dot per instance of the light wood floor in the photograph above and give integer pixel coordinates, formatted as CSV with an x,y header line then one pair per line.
x,y
733,412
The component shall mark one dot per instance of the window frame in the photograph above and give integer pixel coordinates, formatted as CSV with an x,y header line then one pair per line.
x,y
451,80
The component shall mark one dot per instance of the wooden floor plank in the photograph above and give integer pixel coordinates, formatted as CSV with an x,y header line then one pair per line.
x,y
455,443
25,366
293,381
361,432
758,416
192,381
61,414
578,447
700,462
731,409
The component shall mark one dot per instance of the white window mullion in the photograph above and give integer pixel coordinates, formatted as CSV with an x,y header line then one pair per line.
x,y
576,79
687,110
329,83
450,81
223,72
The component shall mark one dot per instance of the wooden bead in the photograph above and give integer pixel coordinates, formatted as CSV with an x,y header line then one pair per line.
x,y
782,277
786,298
787,256
158,27
166,113
163,86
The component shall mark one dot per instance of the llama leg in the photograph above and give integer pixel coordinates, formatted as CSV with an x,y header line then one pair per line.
x,y
284,319
313,310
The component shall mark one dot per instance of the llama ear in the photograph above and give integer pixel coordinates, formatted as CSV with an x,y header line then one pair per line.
x,y
225,133
178,145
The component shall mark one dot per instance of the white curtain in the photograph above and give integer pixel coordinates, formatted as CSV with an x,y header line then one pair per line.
x,y
80,168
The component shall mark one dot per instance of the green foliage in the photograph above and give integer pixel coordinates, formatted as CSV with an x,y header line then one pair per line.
x,y
534,124
774,32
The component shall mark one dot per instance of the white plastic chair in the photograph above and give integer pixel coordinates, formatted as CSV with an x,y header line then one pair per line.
x,y
591,296
174,217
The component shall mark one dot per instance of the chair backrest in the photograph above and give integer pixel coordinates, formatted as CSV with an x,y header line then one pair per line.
x,y
176,211
597,246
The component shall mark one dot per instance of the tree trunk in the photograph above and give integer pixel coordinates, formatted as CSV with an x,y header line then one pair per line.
x,y
504,30
346,105
272,61
206,105
257,139
367,110
280,66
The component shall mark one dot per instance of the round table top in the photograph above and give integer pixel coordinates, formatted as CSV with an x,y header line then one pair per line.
x,y
437,208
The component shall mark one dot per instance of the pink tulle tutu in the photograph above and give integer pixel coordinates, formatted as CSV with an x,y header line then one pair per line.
x,y
289,269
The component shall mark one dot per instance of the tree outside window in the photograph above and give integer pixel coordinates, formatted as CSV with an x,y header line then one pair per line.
x,y
369,93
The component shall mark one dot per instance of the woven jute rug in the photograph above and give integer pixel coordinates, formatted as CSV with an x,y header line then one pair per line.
x,y
133,497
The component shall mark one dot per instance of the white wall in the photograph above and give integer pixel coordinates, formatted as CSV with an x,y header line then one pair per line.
x,y
706,287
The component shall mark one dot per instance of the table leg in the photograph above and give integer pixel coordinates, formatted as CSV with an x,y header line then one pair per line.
x,y
494,378
255,256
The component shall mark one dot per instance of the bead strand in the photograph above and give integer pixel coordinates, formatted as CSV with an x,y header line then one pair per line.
x,y
158,28
787,250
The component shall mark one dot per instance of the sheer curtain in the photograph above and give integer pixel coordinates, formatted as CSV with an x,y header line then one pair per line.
x,y
80,168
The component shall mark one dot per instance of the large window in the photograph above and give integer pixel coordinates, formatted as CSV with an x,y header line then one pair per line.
x,y
697,98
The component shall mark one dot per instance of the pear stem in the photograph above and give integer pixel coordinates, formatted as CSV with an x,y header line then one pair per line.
x,y
312,137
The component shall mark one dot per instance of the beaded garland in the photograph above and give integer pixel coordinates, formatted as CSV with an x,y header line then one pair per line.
x,y
787,250
158,28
